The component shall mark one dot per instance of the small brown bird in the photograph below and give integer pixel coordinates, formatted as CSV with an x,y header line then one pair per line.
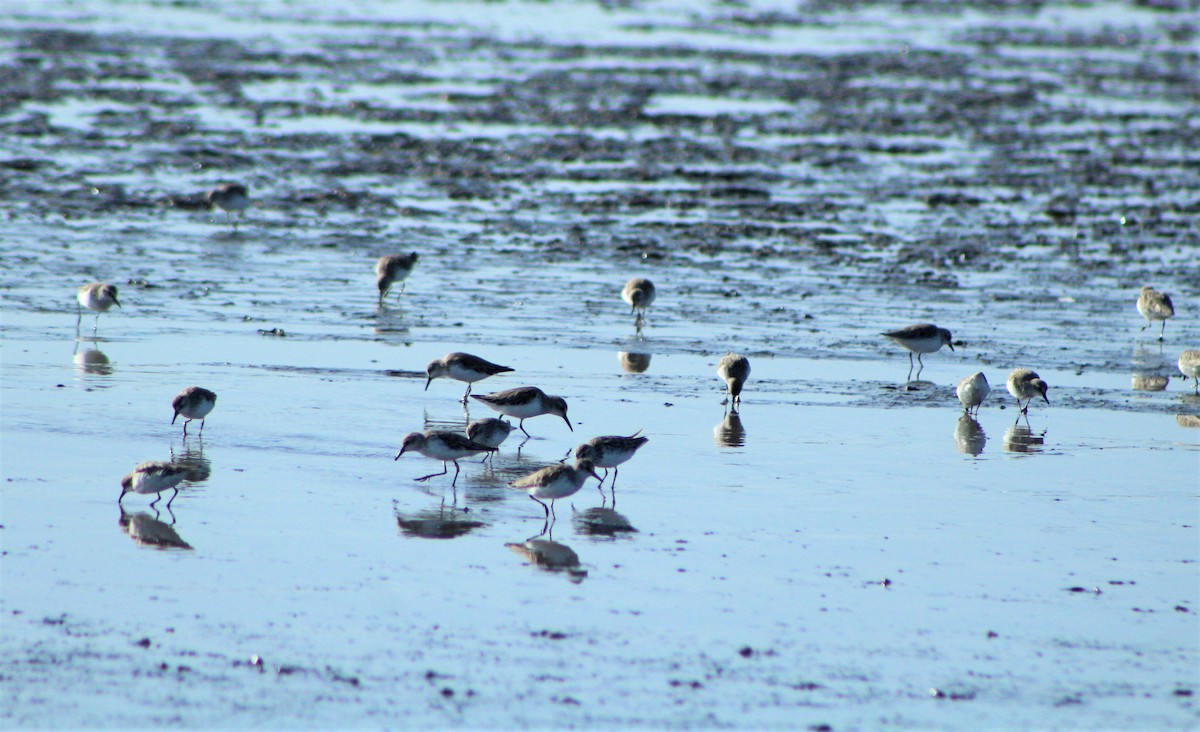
x,y
97,296
1155,305
392,269
193,402
1026,384
734,369
232,198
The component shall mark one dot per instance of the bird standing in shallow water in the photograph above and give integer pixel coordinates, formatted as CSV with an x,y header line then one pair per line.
x,y
639,294
153,476
97,296
491,432
462,367
734,369
1026,384
193,402
919,339
556,481
232,198
972,390
1154,305
392,269
449,447
609,452
525,402
1189,366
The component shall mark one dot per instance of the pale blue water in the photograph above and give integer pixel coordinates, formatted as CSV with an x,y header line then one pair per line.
x,y
1051,588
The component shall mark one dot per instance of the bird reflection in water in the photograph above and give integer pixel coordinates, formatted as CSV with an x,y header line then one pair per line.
x,y
149,531
969,435
1187,421
197,468
602,522
1019,438
1150,382
92,361
550,556
634,363
729,432
436,523
1149,369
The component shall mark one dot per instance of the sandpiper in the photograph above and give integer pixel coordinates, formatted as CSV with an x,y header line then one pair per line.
x,y
556,481
392,269
525,402
609,452
449,447
734,369
1155,305
462,367
972,390
98,296
1189,366
491,432
231,198
919,339
153,476
639,294
193,402
1026,384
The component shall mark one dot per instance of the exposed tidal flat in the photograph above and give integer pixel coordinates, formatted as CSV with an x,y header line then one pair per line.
x,y
844,552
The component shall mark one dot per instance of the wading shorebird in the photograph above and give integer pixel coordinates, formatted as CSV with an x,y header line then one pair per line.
x,y
193,402
449,447
972,390
392,269
232,198
1189,366
734,369
525,402
491,432
153,476
919,339
610,451
1154,305
462,367
1026,384
97,296
554,482
638,293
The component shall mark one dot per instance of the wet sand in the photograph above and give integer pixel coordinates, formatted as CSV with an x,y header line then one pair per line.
x,y
846,553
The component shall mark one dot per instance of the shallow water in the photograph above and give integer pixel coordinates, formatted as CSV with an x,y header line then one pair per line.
x,y
846,552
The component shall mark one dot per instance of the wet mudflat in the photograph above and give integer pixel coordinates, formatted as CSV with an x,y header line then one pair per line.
x,y
845,553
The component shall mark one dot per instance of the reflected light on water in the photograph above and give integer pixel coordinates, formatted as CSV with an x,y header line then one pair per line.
x,y
1019,438
436,523
969,436
551,556
602,522
634,363
729,432
147,530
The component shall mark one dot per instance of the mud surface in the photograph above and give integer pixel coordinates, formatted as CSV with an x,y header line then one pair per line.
x,y
844,554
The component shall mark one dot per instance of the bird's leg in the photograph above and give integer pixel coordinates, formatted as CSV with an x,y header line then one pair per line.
x,y
521,424
544,508
445,470
171,499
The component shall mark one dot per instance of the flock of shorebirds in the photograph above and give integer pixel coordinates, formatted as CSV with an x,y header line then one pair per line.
x,y
558,481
